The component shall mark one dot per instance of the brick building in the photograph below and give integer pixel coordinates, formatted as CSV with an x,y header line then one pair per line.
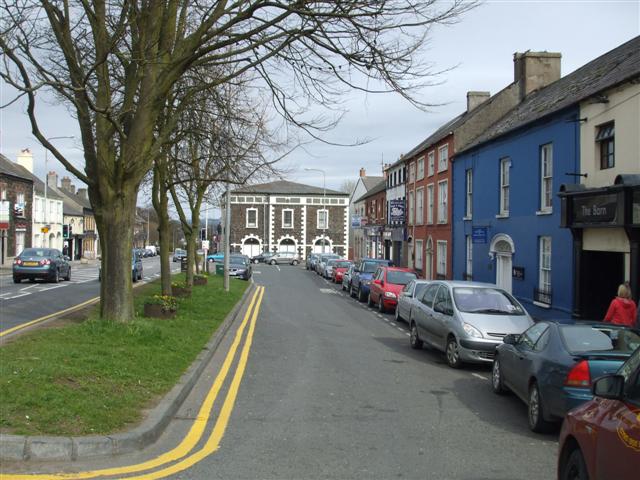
x,y
375,213
16,207
285,216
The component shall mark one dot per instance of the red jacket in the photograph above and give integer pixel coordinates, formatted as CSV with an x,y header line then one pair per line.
x,y
622,311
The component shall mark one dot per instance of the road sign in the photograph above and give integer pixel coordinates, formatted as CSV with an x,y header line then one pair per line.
x,y
205,244
45,229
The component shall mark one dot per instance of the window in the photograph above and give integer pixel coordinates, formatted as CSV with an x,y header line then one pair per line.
x,y
412,173
430,199
469,271
531,336
430,295
443,158
546,177
411,208
442,259
420,168
544,282
468,211
605,141
252,218
3,194
442,201
287,218
505,165
431,162
418,255
419,206
19,243
323,219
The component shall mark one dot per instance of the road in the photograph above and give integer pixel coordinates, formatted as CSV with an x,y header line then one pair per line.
x,y
24,302
333,390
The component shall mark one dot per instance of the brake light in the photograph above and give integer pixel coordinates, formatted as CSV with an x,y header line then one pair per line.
x,y
45,261
579,375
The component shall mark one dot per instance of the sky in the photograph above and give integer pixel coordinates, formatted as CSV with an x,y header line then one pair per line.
x,y
480,47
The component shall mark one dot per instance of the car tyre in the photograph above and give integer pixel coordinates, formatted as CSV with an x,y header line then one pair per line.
x,y
575,467
535,411
256,261
381,308
361,295
396,314
452,353
414,338
497,383
17,280
68,277
272,262
369,300
294,263
352,292
56,276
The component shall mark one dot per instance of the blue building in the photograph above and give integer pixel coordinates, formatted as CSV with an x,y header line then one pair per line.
x,y
506,209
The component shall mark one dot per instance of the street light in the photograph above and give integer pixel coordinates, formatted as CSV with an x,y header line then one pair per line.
x,y
46,178
324,202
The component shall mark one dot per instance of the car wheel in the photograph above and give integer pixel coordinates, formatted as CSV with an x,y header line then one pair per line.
x,y
453,353
255,261
352,292
396,315
295,262
135,277
575,467
496,378
381,308
68,277
361,295
56,276
369,300
272,262
414,338
17,280
535,411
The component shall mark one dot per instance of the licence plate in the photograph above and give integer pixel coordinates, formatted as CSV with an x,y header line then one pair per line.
x,y
30,264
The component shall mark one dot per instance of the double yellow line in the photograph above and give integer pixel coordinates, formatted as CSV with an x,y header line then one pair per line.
x,y
181,457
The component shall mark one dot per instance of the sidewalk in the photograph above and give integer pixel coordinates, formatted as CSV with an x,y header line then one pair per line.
x,y
6,267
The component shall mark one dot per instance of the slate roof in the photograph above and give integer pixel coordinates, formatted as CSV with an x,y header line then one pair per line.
x,y
439,134
613,68
71,204
370,182
283,187
9,168
38,185
379,187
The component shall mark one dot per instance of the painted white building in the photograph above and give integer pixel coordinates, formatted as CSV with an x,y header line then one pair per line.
x,y
394,234
357,214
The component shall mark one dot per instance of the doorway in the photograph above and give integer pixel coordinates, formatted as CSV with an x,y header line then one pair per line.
x,y
601,274
503,248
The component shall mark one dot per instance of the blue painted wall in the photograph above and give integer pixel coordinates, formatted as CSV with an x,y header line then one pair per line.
x,y
522,225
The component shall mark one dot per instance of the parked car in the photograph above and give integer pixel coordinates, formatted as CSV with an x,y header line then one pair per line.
x,y
290,258
386,286
322,262
311,261
339,269
136,266
44,263
362,275
262,258
240,266
466,320
215,257
179,254
152,249
601,438
551,365
346,278
328,267
410,294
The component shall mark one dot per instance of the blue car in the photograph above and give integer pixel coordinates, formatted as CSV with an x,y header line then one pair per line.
x,y
362,275
215,257
551,366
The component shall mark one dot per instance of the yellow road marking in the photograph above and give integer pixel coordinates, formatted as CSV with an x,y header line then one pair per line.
x,y
188,442
213,442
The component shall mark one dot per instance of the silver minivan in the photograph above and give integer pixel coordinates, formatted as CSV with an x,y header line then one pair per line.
x,y
466,320
290,258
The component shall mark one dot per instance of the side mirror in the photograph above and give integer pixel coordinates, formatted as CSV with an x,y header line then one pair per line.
x,y
609,386
511,339
378,282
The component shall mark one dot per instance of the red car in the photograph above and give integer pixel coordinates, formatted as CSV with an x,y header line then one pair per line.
x,y
386,285
339,268
601,438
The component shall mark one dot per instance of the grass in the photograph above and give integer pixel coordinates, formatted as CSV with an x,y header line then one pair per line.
x,y
97,377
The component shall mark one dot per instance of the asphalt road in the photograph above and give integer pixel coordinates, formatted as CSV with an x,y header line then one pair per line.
x,y
23,302
333,390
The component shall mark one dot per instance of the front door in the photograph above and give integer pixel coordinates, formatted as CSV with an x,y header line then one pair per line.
x,y
503,271
602,273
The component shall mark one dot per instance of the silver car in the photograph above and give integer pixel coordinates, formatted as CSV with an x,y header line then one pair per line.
x,y
466,320
346,278
322,261
410,294
284,257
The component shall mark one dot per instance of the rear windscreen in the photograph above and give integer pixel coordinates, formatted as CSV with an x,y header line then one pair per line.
x,y
342,264
586,338
399,277
36,252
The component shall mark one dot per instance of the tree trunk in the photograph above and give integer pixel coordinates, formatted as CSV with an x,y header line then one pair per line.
x,y
115,225
161,205
191,256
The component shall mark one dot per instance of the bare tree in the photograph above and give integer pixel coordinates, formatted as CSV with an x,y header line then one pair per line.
x,y
348,186
115,63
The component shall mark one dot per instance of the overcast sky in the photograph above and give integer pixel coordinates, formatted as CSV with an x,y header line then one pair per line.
x,y
481,46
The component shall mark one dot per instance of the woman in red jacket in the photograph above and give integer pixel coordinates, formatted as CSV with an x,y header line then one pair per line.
x,y
622,310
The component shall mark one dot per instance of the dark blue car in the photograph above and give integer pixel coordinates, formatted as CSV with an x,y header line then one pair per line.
x,y
362,275
551,366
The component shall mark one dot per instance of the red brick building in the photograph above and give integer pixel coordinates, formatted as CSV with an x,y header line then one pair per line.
x,y
16,207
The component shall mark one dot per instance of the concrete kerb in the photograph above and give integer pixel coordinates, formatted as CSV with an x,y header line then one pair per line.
x,y
21,448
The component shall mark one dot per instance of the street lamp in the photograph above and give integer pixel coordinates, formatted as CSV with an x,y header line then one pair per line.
x,y
46,178
324,202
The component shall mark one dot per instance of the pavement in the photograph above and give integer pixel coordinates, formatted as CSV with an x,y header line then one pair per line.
x,y
325,387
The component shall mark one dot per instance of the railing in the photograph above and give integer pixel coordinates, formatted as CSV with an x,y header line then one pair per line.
x,y
542,296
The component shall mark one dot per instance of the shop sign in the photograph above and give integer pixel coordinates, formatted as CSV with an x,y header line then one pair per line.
x,y
386,234
356,221
396,210
596,209
18,210
479,234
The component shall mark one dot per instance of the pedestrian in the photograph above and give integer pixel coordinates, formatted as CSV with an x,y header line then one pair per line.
x,y
622,310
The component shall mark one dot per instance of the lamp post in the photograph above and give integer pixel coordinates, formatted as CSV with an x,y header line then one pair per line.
x,y
46,179
324,202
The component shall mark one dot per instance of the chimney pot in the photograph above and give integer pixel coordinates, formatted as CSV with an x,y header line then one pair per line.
x,y
25,158
535,70
475,99
363,172
52,179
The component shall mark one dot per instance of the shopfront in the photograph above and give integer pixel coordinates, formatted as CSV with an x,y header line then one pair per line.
x,y
605,224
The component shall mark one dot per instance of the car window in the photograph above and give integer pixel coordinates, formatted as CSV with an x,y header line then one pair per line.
x,y
543,341
630,366
399,277
486,300
530,336
369,267
34,252
599,338
342,264
408,288
429,295
443,301
420,288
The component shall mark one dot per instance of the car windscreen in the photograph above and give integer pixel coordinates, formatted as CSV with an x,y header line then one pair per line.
x,y
179,251
399,277
342,264
592,338
237,260
36,252
331,263
370,267
486,300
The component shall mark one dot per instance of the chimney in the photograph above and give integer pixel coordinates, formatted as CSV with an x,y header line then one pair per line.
x,y
82,192
66,185
363,172
535,70
25,158
52,179
475,99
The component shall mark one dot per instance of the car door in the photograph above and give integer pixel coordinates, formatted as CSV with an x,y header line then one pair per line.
x,y
374,288
517,370
424,311
404,300
442,317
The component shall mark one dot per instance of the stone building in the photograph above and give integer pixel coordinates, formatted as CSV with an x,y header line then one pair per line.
x,y
285,216
16,201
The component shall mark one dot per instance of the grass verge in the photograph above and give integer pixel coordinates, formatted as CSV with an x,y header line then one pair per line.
x,y
97,377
